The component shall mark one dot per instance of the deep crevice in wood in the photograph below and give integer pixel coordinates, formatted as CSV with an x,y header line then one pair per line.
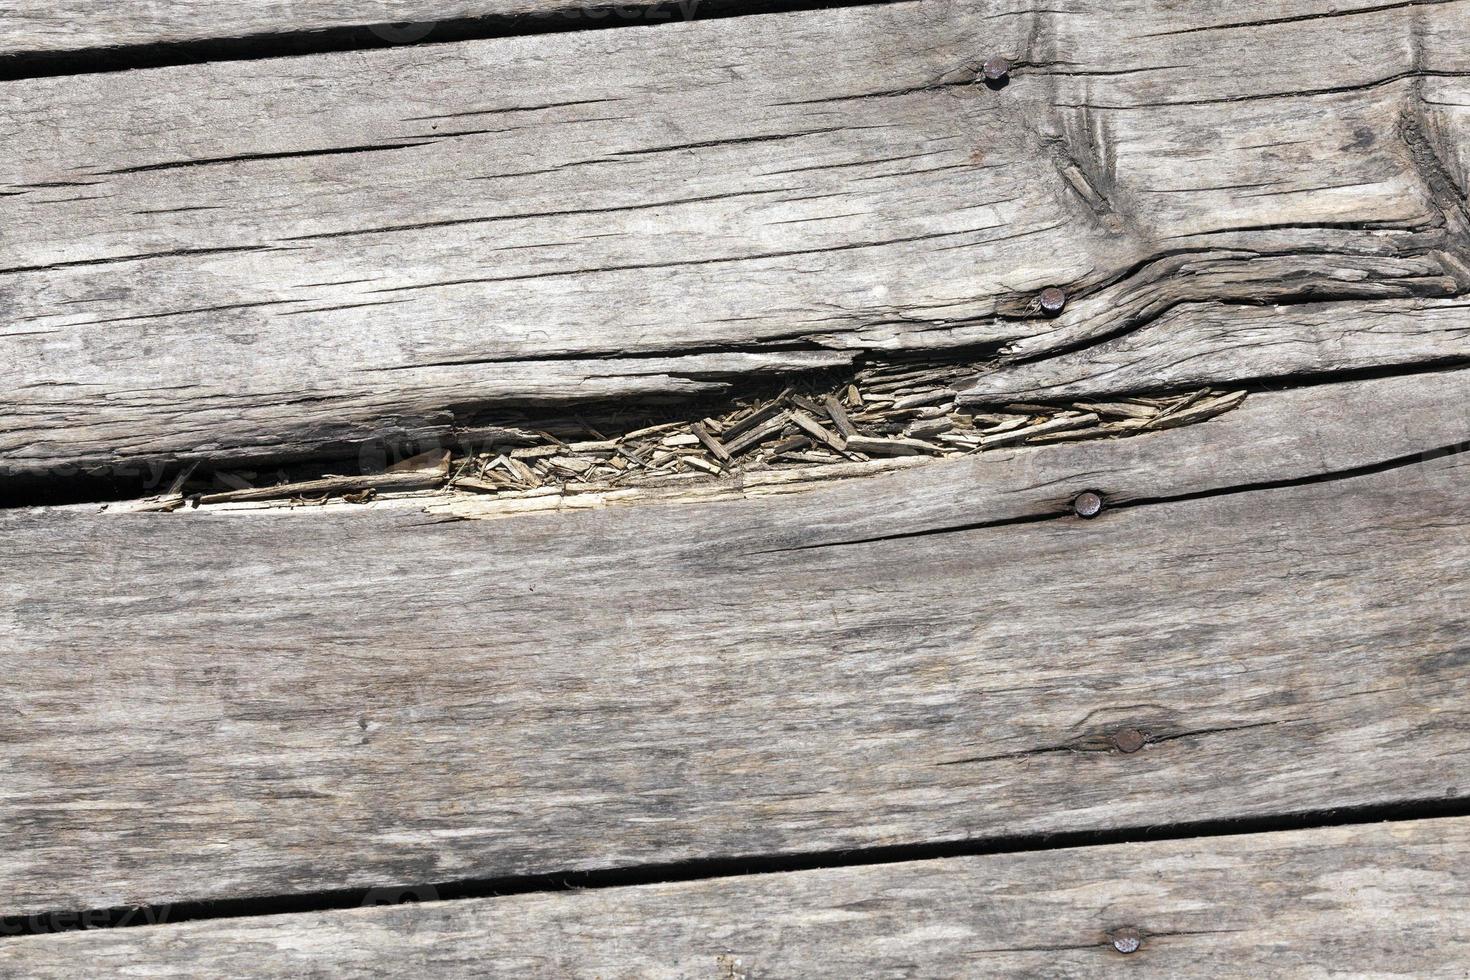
x,y
797,343
1105,741
1287,382
1301,290
1299,18
102,489
503,427
713,868
591,16
1397,462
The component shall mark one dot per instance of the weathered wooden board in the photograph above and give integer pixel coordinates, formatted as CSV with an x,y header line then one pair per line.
x,y
228,705
1296,434
271,258
1209,344
1385,900
56,26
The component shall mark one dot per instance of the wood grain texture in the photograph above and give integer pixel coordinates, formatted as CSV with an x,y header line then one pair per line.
x,y
42,26
224,705
1196,345
273,258
1386,900
1277,436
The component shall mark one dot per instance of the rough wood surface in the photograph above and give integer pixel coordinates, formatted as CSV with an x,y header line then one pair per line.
x,y
223,705
1385,900
1273,437
1192,346
1276,436
272,258
57,26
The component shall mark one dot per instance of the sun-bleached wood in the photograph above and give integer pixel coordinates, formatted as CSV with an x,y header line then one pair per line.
x,y
1380,900
282,258
276,258
1214,344
225,705
59,26
1272,437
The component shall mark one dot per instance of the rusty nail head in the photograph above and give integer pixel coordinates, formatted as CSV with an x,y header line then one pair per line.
x,y
1088,504
996,68
1052,300
1129,740
1126,940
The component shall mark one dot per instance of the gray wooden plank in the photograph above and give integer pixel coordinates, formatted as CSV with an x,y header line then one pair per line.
x,y
60,26
1202,344
266,258
1381,900
1275,436
242,704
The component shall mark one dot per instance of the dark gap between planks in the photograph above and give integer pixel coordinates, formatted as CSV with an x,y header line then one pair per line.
x,y
591,16
891,407
102,486
713,868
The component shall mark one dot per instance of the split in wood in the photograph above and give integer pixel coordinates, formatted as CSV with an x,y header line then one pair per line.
x,y
886,410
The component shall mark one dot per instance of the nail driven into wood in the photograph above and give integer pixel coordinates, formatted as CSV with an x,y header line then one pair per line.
x,y
1088,504
996,69
1052,300
1129,740
1127,940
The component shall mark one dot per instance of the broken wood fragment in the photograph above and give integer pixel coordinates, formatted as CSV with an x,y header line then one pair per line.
x,y
702,433
753,437
838,415
433,475
929,428
893,446
1197,411
703,464
818,431
1023,433
572,465
749,421
791,444
925,398
1119,409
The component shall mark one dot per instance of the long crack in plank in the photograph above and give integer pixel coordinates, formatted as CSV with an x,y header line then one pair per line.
x,y
887,411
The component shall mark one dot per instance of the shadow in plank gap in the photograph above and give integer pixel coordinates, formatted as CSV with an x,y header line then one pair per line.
x,y
40,38
362,699
813,430
338,247
1364,899
249,274
134,916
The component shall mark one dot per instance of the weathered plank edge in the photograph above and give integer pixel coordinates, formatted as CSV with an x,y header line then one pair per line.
x,y
1398,238
349,603
39,39
1367,900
